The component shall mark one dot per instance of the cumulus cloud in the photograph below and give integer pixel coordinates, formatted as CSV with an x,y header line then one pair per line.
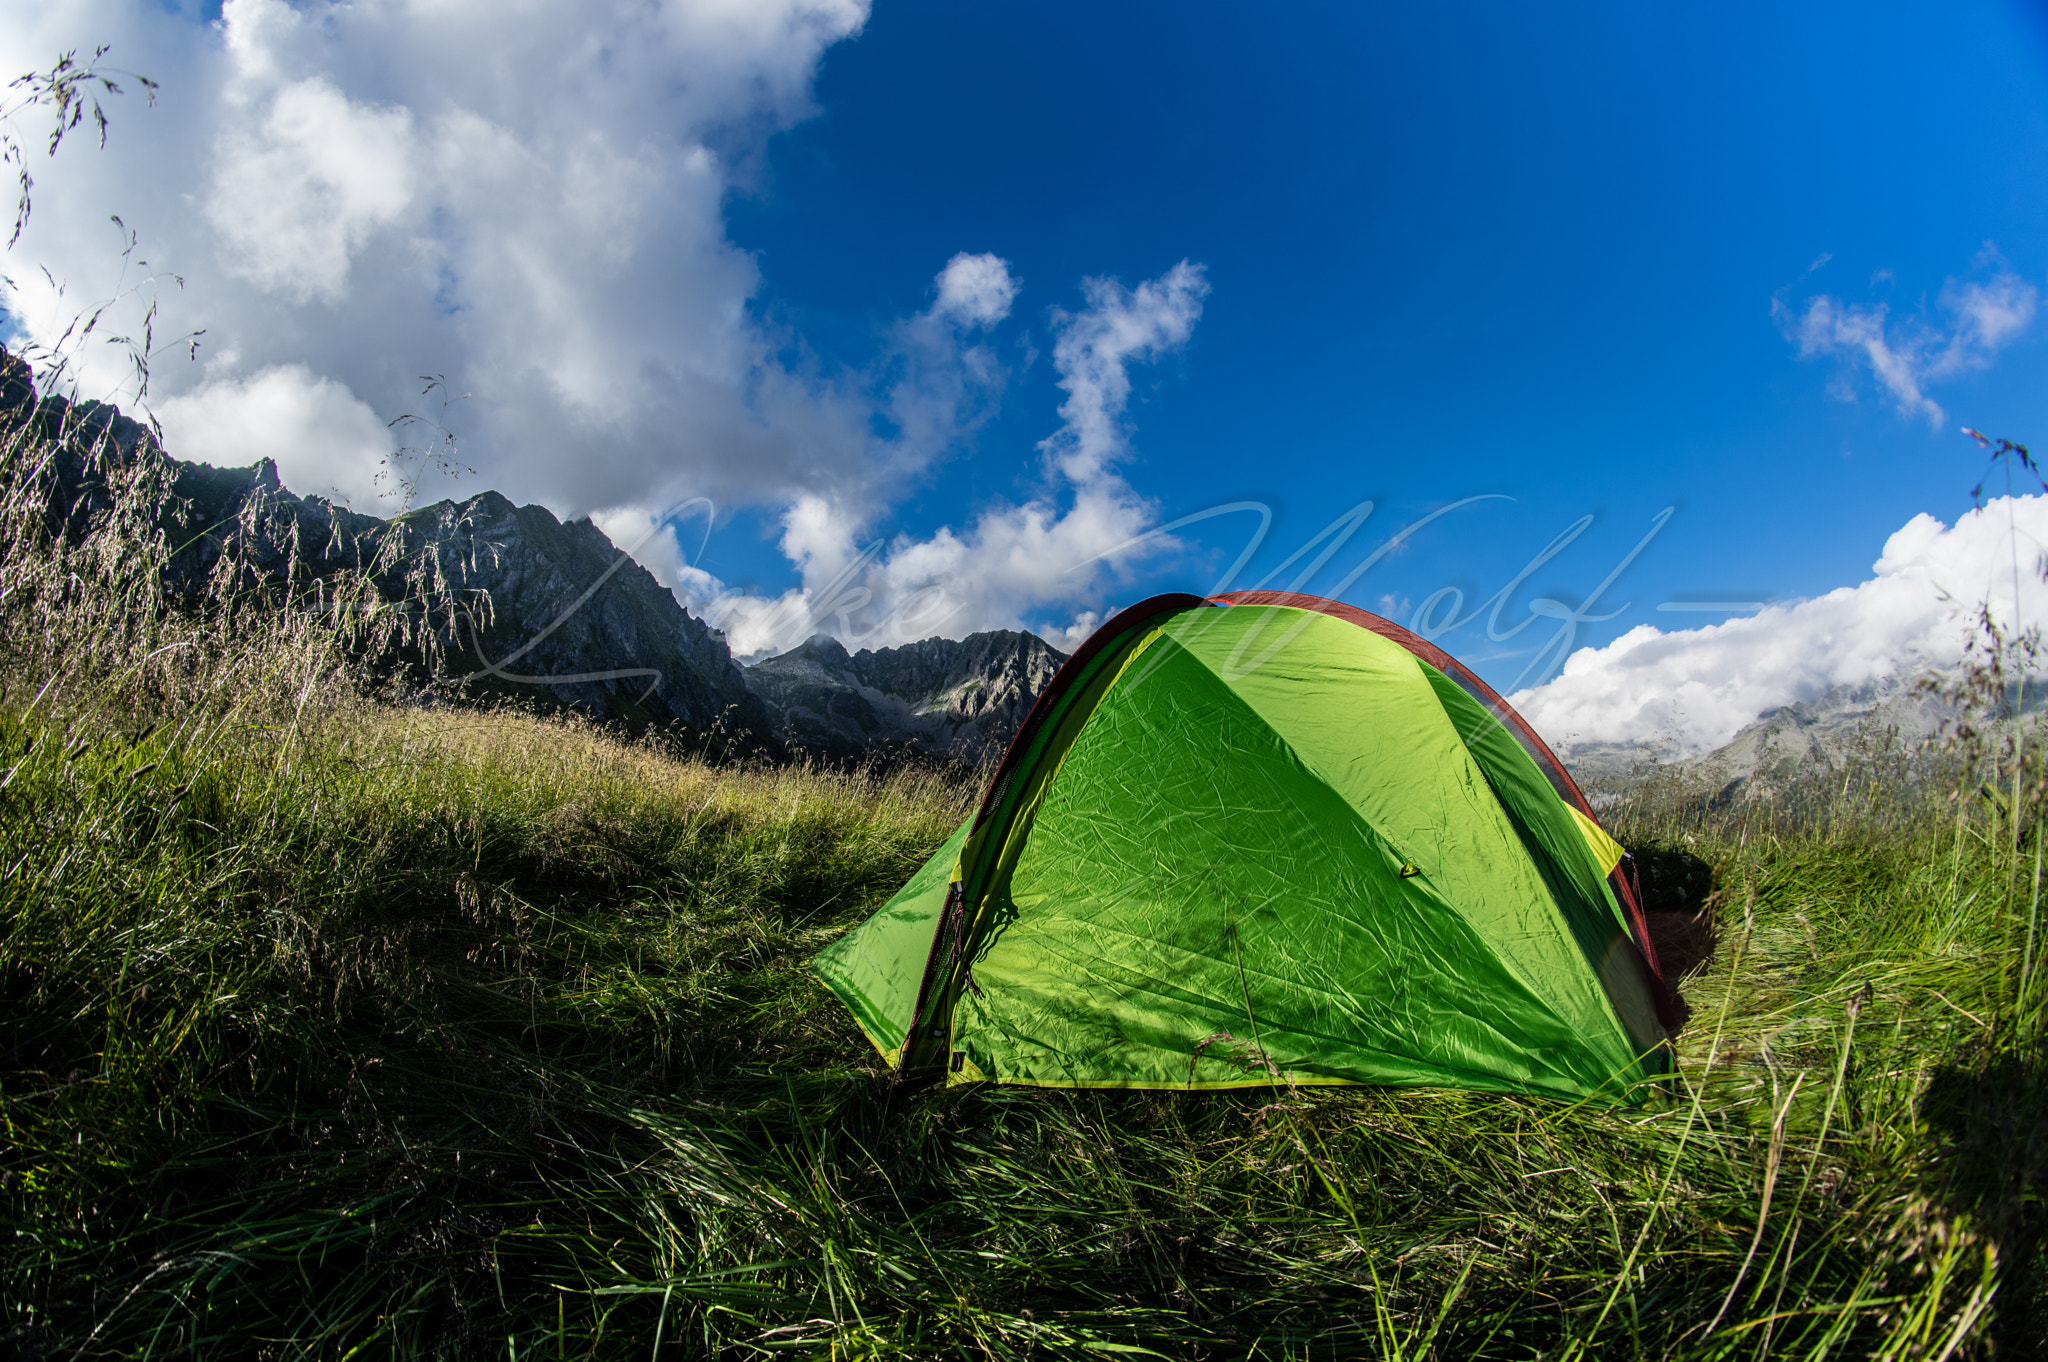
x,y
325,440
299,192
1697,687
1094,356
1055,552
1007,567
1983,316
1075,632
528,199
975,290
940,382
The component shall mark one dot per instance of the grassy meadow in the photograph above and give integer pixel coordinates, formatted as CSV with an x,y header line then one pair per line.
x,y
334,1026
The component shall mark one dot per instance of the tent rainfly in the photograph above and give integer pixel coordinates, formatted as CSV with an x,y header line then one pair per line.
x,y
1267,838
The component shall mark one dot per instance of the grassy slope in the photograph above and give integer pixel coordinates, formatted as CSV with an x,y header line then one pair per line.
x,y
437,1032
328,1029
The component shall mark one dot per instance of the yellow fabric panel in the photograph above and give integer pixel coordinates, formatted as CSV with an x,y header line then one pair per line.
x,y
1606,850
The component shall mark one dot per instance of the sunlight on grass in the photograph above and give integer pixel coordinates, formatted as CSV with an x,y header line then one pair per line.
x,y
334,1025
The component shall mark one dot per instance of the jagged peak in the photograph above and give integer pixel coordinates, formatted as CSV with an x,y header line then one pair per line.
x,y
953,697
988,641
822,649
629,652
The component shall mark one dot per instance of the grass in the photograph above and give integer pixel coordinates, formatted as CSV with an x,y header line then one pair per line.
x,y
335,1027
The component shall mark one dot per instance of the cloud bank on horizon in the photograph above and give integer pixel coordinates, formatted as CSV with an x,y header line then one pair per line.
x,y
360,194
1694,689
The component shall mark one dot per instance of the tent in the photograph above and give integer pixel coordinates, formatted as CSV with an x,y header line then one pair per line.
x,y
1267,838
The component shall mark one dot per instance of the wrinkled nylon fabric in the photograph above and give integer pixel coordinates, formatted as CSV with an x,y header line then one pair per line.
x,y
1367,716
994,849
876,968
1560,843
1268,853
1606,850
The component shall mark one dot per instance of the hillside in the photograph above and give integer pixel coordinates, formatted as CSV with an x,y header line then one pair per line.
x,y
451,1029
336,1027
533,630
514,578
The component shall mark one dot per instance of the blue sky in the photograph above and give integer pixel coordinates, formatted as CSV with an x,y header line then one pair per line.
x,y
1756,264
1458,251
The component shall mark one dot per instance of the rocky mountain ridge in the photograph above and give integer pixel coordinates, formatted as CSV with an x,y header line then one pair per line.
x,y
1846,726
959,700
528,625
547,612
563,618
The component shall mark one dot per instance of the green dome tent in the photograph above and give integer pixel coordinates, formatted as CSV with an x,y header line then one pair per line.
x,y
1258,839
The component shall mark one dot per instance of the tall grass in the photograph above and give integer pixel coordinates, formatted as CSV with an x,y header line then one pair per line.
x,y
334,1027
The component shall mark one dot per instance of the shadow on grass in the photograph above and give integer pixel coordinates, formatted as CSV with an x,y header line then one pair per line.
x,y
1991,1116
1673,888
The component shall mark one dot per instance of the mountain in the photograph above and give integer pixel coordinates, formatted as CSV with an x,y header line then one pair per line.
x,y
1846,726
551,613
555,614
938,698
1832,731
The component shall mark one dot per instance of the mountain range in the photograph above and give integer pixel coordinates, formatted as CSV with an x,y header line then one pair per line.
x,y
938,698
553,614
1846,727
556,616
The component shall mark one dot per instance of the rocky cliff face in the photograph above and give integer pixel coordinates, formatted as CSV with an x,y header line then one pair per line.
x,y
546,612
1829,732
569,615
938,698
550,613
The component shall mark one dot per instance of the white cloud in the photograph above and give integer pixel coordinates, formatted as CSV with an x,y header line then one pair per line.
x,y
325,441
1983,317
1075,632
940,385
1094,354
1008,567
1987,316
295,196
528,198
975,290
1015,563
1697,687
